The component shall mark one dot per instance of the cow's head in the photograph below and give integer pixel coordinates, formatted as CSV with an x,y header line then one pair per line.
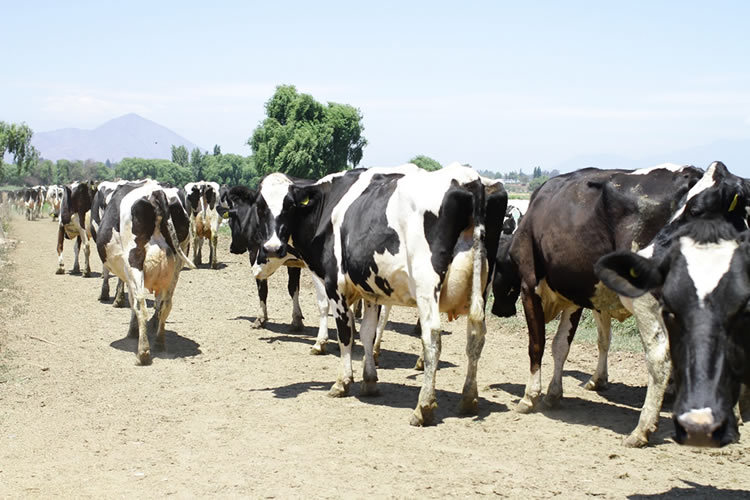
x,y
193,192
271,224
702,283
237,208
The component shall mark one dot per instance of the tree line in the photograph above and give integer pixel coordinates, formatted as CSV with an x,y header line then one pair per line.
x,y
300,137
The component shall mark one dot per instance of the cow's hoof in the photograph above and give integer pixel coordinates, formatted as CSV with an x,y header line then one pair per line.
x,y
297,325
419,365
119,302
60,270
525,406
468,406
552,400
215,265
87,273
144,358
369,388
423,415
103,297
596,385
258,323
339,390
635,441
318,349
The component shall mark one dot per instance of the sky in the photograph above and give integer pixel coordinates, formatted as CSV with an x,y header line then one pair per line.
x,y
500,85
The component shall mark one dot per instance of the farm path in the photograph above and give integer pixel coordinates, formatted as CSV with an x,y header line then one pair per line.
x,y
229,411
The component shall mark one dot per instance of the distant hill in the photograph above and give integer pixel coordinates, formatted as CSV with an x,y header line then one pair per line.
x,y
734,153
127,136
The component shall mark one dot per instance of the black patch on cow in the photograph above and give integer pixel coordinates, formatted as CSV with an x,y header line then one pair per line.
x,y
144,222
443,229
194,197
365,231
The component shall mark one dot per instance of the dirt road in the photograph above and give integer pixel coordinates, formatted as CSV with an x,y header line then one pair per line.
x,y
229,411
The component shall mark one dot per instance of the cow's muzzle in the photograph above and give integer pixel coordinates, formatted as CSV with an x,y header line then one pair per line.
x,y
700,427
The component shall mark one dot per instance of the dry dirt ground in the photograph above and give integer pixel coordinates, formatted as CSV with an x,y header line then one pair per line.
x,y
228,411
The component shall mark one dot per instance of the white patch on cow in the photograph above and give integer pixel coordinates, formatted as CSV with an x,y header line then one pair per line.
x,y
707,263
274,189
704,183
647,252
672,167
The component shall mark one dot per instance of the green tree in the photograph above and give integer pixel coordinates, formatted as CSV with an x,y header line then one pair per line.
x,y
16,140
536,182
196,158
160,170
304,138
217,150
180,156
230,169
426,163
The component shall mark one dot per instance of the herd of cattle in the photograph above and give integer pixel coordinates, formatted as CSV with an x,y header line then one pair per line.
x,y
669,245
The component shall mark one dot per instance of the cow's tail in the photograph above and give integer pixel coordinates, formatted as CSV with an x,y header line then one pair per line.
x,y
476,310
178,248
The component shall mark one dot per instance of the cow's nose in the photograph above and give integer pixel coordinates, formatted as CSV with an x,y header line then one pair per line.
x,y
273,247
698,427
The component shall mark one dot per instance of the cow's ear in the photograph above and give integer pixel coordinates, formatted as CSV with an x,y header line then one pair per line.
x,y
223,211
303,197
629,274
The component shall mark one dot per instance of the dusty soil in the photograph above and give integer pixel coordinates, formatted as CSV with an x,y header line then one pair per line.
x,y
230,411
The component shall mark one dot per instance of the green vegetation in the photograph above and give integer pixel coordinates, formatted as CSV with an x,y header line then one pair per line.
x,y
16,140
426,163
304,138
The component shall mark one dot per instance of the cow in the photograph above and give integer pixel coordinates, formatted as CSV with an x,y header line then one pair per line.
x,y
242,215
400,236
104,192
32,202
203,199
74,208
54,198
572,220
698,272
143,239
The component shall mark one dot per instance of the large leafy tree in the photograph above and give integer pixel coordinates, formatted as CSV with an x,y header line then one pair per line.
x,y
426,163
180,156
16,140
304,138
160,170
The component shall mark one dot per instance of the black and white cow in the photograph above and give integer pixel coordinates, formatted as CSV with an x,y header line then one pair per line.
x,y
698,270
54,198
143,239
245,205
397,237
74,208
104,192
33,199
573,220
203,200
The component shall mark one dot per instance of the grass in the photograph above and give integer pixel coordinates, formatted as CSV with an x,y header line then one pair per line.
x,y
625,335
519,196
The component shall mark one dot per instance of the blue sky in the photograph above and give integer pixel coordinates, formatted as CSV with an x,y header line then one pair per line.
x,y
499,85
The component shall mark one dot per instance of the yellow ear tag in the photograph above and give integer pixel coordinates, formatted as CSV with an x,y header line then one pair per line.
x,y
633,273
734,203
305,201
225,216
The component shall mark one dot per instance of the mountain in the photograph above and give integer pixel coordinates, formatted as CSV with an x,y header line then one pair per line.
x,y
734,153
127,136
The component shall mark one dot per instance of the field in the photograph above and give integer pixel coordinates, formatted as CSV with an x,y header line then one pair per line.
x,y
228,411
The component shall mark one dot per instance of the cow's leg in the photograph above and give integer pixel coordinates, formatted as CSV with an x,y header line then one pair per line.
x,y
293,288
262,295
213,242
163,310
345,329
385,311
76,251
198,247
322,338
532,308
143,355
104,294
600,379
119,294
475,334
60,241
133,328
566,330
429,316
369,385
647,312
